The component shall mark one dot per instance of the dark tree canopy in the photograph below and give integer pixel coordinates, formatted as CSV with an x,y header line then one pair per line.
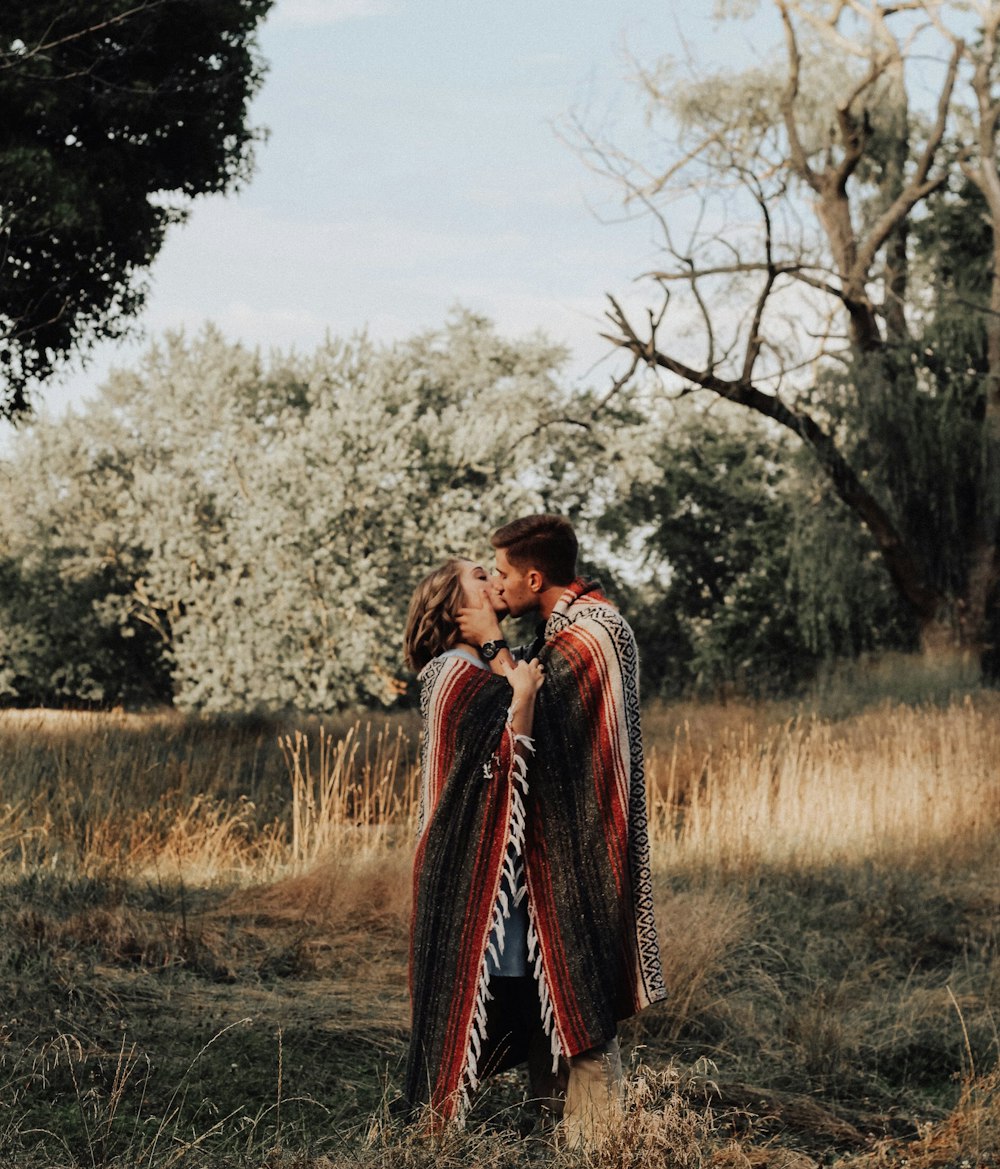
x,y
115,114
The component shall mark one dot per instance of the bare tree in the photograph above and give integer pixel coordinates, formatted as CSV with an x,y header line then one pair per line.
x,y
809,181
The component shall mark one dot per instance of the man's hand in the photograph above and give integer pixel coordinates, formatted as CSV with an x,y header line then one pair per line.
x,y
479,623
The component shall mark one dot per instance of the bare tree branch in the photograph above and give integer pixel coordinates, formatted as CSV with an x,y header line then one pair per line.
x,y
13,60
755,339
920,186
852,131
899,561
618,384
791,92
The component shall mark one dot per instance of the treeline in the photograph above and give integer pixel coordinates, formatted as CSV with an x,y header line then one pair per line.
x,y
228,533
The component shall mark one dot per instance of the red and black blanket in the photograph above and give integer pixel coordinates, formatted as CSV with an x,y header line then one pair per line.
x,y
471,811
579,823
586,839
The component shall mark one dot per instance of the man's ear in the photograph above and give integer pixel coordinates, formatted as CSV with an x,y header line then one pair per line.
x,y
535,580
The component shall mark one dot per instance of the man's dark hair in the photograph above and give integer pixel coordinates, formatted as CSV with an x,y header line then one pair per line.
x,y
545,542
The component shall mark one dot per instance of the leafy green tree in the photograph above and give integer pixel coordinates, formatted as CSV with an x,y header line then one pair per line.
x,y
69,632
62,639
749,578
116,113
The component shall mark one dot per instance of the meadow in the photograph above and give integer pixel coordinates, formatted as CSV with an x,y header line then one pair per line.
x,y
204,931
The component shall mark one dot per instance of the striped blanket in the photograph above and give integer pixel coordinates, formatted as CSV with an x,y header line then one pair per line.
x,y
471,811
578,819
593,936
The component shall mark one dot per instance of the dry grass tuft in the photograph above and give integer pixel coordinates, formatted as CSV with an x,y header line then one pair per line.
x,y
347,790
968,1138
371,887
658,1126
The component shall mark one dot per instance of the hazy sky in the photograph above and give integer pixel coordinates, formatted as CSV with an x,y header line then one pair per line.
x,y
413,164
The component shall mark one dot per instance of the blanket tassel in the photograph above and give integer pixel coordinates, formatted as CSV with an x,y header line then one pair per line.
x,y
544,997
501,910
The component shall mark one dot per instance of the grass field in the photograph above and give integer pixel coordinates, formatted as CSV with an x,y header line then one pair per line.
x,y
204,924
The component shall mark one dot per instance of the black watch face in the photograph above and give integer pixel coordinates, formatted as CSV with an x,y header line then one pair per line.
x,y
491,649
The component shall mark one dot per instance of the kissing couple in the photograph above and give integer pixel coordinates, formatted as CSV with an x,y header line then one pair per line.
x,y
533,931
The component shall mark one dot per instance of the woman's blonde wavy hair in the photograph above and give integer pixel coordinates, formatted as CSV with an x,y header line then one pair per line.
x,y
431,625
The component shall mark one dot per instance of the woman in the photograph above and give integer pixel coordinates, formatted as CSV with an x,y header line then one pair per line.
x,y
474,1004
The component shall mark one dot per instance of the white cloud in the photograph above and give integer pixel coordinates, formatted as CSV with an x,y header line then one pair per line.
x,y
313,13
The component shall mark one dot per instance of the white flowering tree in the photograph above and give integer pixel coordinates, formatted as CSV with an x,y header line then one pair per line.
x,y
263,523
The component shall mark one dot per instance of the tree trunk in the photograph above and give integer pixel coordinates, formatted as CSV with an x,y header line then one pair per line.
x,y
952,638
984,559
939,638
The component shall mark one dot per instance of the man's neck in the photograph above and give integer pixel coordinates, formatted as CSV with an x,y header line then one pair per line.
x,y
548,599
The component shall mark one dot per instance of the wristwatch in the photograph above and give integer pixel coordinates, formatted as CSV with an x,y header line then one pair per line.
x,y
490,649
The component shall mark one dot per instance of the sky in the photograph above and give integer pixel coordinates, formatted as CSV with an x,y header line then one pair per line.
x,y
414,163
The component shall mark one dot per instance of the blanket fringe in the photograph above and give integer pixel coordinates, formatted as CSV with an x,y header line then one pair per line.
x,y
544,997
469,1080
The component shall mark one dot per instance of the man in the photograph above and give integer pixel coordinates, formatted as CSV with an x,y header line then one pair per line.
x,y
592,935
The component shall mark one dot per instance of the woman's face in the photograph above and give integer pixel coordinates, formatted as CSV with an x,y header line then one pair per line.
x,y
477,583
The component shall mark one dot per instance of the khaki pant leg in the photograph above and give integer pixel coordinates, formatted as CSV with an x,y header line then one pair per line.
x,y
593,1094
547,1087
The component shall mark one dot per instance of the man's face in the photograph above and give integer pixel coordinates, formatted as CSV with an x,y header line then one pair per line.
x,y
513,583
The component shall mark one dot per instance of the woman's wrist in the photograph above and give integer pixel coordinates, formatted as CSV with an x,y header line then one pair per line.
x,y
502,663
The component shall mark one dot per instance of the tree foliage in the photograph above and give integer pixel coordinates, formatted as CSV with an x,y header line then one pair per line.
x,y
229,533
749,577
261,524
115,114
814,286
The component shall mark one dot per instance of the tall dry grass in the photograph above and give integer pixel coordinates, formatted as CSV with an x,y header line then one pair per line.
x,y
199,800
894,783
730,787
350,791
844,983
